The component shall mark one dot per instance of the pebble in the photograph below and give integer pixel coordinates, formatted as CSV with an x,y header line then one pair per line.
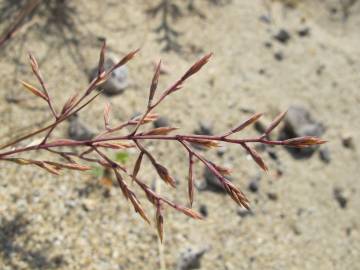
x,y
205,128
279,56
220,152
340,197
272,154
268,44
265,19
324,154
190,259
118,81
204,210
272,196
254,186
348,142
304,32
282,36
78,130
162,121
296,229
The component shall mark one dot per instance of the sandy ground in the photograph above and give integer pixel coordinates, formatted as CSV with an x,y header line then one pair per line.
x,y
73,222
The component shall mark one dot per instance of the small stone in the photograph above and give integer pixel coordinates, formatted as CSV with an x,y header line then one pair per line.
x,y
304,32
272,154
268,44
78,130
348,141
282,36
262,71
254,186
203,210
320,70
118,80
205,128
279,56
272,196
220,152
324,154
340,197
161,122
296,229
190,259
265,19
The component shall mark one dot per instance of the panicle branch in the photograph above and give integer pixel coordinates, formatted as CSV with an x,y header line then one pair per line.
x,y
94,150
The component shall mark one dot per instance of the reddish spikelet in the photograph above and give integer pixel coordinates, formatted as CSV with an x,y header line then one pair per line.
x,y
34,90
189,212
137,166
237,195
122,184
149,118
138,208
159,220
69,103
21,161
164,174
275,122
303,142
256,157
107,110
34,64
126,59
101,60
246,123
154,83
222,170
159,131
50,168
191,180
70,166
196,67
204,142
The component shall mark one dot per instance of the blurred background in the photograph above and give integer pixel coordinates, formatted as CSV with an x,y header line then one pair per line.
x,y
269,56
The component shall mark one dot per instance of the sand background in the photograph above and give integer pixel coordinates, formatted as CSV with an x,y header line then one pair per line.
x,y
73,222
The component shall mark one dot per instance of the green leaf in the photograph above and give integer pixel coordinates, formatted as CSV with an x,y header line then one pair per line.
x,y
122,157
